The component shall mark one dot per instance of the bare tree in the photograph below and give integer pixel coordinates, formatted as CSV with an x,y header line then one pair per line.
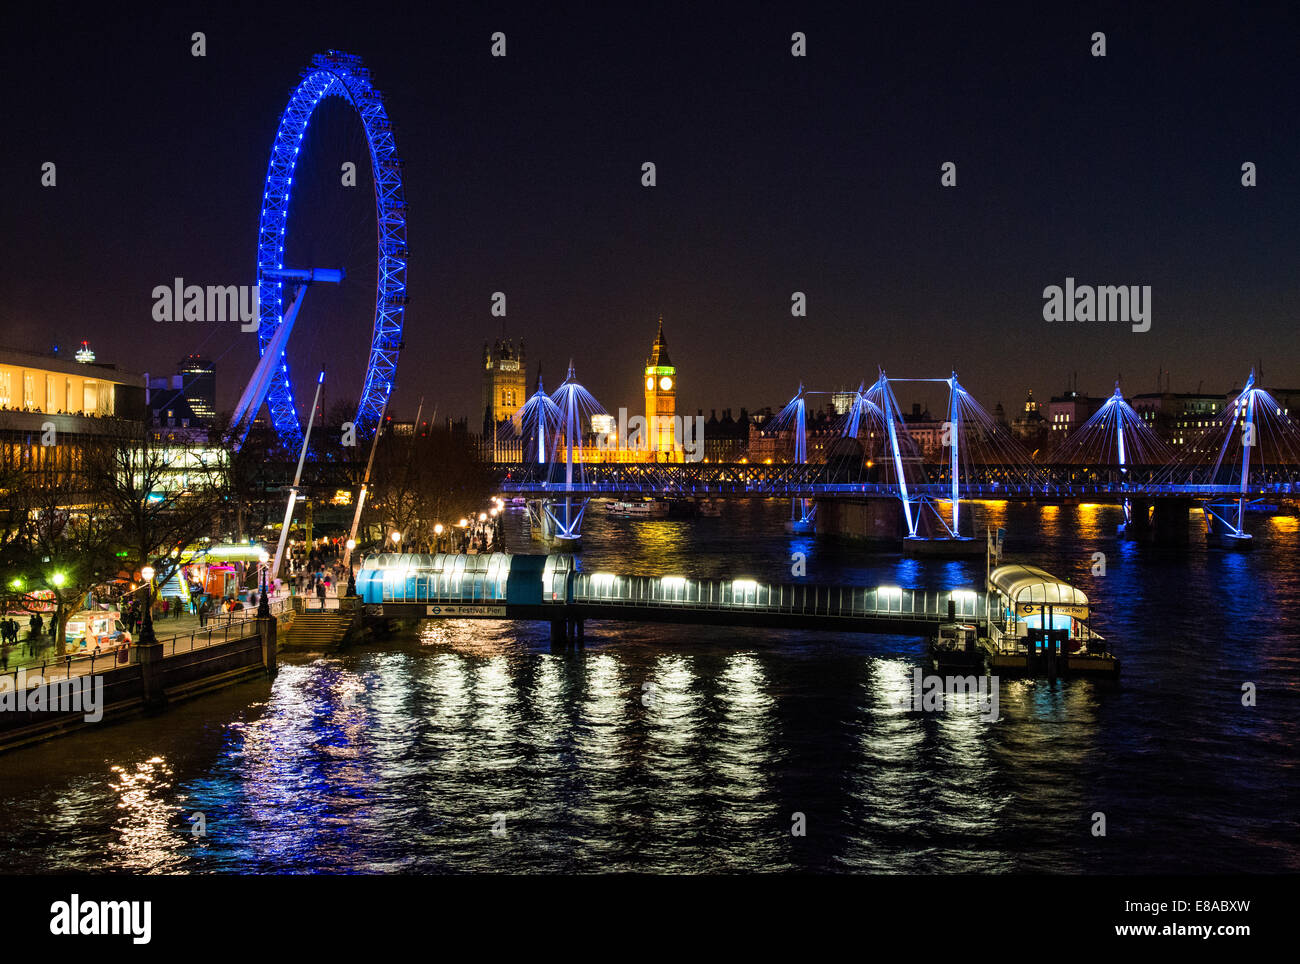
x,y
422,480
163,496
63,546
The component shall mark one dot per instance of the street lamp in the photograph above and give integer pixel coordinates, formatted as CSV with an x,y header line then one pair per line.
x,y
146,629
437,532
396,537
57,579
482,517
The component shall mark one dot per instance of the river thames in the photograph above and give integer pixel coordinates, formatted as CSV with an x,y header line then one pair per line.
x,y
472,747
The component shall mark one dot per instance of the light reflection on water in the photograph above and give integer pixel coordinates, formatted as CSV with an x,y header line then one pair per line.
x,y
473,747
147,809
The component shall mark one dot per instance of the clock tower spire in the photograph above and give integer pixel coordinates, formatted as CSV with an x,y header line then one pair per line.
x,y
661,400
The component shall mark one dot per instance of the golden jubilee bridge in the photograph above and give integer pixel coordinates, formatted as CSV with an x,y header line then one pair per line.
x,y
1249,453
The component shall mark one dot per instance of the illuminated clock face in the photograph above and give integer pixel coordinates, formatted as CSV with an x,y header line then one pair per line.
x,y
665,383
649,384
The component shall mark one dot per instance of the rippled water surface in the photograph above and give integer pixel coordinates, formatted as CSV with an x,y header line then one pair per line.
x,y
471,746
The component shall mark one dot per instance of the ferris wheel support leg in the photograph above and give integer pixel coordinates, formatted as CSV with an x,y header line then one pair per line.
x,y
250,403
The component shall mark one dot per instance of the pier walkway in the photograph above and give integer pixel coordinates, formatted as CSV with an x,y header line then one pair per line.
x,y
501,586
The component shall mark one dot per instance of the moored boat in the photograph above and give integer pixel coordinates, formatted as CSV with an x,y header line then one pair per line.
x,y
642,509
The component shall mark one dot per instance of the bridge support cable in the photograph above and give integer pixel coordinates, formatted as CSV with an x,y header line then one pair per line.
x,y
570,413
882,397
794,417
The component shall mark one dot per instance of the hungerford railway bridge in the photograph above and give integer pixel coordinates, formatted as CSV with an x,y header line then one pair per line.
x,y
876,474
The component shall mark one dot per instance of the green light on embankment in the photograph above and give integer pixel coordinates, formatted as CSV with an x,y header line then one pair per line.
x,y
57,579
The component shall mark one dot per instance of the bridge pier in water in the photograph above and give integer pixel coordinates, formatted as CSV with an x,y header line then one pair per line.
x,y
1161,522
560,521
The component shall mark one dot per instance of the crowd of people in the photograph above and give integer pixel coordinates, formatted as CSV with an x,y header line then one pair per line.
x,y
11,629
320,573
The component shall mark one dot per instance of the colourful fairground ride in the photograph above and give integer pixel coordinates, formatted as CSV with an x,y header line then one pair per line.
x,y
216,573
34,601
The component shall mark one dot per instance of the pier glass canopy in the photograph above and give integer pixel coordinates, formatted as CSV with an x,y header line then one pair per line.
x,y
1026,592
496,577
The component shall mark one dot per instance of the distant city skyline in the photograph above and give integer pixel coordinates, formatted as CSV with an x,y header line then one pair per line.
x,y
931,397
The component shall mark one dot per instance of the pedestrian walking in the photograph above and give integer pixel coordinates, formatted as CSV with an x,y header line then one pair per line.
x,y
320,593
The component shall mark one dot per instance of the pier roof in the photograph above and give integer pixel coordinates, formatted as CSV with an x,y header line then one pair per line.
x,y
1029,584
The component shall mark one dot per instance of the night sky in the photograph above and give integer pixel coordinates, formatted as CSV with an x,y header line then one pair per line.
x,y
775,174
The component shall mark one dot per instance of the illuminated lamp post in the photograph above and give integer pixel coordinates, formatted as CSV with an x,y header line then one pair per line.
x,y
263,604
147,637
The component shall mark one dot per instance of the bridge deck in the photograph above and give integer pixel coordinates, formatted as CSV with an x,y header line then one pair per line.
x,y
795,488
812,480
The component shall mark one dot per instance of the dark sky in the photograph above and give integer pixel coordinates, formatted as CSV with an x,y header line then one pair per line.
x,y
775,174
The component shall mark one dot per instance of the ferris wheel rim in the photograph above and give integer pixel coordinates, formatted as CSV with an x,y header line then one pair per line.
x,y
339,75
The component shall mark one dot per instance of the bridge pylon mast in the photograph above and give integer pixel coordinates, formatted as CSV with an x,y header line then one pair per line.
x,y
954,455
1247,443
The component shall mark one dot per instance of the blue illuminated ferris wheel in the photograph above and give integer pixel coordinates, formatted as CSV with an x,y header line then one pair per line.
x,y
333,74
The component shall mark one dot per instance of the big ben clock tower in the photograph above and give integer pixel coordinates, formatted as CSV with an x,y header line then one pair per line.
x,y
661,400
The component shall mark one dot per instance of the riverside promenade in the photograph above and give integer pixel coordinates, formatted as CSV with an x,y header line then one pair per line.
x,y
176,634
